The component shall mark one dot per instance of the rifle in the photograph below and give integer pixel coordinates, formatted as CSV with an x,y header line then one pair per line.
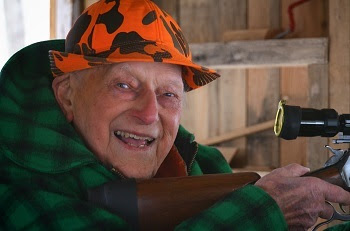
x,y
179,198
175,199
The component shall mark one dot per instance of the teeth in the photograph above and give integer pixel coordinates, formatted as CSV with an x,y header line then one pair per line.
x,y
127,135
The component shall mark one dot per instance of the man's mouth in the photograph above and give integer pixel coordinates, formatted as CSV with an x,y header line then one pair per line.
x,y
134,140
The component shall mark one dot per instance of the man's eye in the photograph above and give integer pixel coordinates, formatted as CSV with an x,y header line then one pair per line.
x,y
123,85
168,94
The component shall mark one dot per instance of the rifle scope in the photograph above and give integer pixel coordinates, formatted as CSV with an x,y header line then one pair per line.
x,y
294,121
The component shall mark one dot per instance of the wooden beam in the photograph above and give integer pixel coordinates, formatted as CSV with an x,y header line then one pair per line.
x,y
250,34
239,133
269,53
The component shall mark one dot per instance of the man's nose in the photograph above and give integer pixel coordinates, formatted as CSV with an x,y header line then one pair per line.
x,y
147,108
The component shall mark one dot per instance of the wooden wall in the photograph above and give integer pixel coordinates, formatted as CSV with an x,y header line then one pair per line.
x,y
248,96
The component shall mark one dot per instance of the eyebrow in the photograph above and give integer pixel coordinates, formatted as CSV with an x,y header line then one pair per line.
x,y
127,68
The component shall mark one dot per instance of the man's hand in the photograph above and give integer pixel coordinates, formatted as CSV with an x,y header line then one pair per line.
x,y
302,199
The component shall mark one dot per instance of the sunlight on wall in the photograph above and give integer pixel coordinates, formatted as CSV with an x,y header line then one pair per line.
x,y
36,25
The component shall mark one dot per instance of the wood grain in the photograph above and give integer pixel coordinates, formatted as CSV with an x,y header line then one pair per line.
x,y
206,20
294,88
311,19
263,96
266,53
317,154
339,60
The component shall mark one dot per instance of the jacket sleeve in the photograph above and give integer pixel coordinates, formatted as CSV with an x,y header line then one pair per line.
x,y
24,208
248,208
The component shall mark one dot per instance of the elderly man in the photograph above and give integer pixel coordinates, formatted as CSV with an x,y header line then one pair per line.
x,y
114,113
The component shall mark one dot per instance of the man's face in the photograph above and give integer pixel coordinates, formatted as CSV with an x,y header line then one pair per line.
x,y
128,113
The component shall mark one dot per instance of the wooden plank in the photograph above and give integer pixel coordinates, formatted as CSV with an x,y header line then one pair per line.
x,y
240,132
317,154
195,115
263,90
218,108
263,14
250,34
213,109
310,18
294,88
232,110
339,59
263,96
206,20
270,53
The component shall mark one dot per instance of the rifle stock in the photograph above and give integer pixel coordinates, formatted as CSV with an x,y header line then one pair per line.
x,y
162,203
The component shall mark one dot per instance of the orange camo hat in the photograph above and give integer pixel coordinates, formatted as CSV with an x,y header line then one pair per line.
x,y
114,31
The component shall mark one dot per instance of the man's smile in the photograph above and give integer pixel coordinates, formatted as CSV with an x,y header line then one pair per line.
x,y
133,139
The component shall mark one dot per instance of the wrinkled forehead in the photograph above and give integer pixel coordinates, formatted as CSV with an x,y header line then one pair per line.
x,y
170,73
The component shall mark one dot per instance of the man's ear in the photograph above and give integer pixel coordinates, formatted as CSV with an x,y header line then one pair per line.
x,y
63,93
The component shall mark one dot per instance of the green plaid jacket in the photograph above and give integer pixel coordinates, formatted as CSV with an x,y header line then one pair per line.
x,y
45,168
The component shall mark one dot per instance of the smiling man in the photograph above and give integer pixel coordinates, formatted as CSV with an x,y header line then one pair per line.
x,y
107,106
127,113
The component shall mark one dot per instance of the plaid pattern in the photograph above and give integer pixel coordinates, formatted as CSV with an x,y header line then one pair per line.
x,y
248,208
46,169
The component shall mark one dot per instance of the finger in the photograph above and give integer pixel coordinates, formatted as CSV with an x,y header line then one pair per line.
x,y
336,194
327,211
295,170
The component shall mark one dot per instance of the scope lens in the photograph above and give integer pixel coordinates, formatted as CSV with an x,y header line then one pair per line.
x,y
279,118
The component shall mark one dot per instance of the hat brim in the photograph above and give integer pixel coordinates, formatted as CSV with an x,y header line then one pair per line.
x,y
193,74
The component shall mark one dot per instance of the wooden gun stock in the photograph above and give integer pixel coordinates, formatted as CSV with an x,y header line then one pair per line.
x,y
162,203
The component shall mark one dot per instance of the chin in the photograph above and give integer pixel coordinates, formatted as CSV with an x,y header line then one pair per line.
x,y
139,174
